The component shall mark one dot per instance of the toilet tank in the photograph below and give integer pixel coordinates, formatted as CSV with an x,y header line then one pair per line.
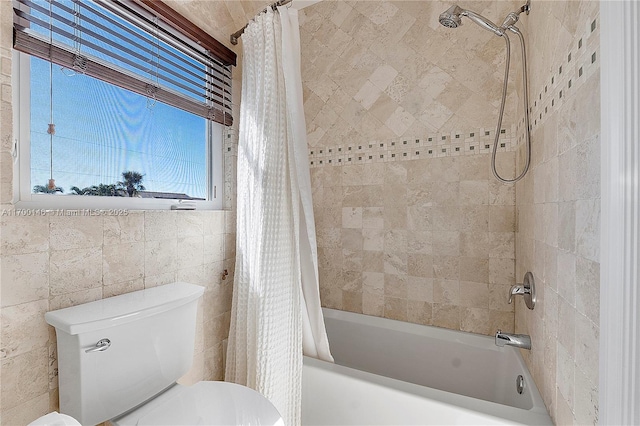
x,y
152,336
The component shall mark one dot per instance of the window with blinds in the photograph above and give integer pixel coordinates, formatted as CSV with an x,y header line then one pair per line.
x,y
118,98
125,44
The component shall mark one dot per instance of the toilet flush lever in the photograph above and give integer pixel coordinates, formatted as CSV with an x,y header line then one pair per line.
x,y
101,346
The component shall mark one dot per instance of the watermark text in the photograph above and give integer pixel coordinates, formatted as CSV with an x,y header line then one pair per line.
x,y
63,212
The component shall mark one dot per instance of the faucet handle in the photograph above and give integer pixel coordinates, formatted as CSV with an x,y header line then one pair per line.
x,y
526,289
516,289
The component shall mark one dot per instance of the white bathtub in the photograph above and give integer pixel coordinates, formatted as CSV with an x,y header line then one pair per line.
x,y
395,373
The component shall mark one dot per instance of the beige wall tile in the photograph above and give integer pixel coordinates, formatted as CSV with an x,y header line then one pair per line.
x,y
502,245
193,274
475,295
446,316
501,218
213,363
190,252
213,248
372,261
586,352
122,287
474,269
214,222
352,217
502,271
351,280
156,280
372,304
588,289
475,218
586,400
28,411
74,270
75,232
446,292
420,265
21,235
122,262
23,328
160,225
499,298
500,320
76,298
372,217
474,192
124,229
352,301
395,308
24,377
475,320
189,224
160,257
446,267
25,278
419,312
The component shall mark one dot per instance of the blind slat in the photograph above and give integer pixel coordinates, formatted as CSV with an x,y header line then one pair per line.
x,y
170,76
139,36
177,84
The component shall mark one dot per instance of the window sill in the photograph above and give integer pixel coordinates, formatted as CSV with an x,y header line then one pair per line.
x,y
97,204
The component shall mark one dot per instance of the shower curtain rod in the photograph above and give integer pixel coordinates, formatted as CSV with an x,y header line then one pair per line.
x,y
235,36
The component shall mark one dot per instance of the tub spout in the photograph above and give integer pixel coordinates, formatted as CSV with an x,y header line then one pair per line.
x,y
522,341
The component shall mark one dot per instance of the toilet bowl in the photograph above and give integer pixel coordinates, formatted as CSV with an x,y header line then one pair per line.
x,y
55,419
119,359
205,403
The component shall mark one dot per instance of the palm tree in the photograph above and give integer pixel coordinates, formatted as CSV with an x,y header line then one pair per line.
x,y
44,189
77,191
132,183
110,190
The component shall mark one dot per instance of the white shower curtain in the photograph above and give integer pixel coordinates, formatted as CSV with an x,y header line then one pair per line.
x,y
276,302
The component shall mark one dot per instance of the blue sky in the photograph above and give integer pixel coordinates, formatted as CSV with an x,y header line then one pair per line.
x,y
103,130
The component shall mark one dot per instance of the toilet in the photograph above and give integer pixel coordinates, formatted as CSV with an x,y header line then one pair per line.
x,y
119,359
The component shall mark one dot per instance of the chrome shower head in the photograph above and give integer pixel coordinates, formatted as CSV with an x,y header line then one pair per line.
x,y
451,17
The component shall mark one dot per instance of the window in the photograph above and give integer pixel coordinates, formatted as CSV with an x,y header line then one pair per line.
x,y
116,106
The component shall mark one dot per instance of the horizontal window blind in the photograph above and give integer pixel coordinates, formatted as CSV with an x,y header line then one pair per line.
x,y
125,44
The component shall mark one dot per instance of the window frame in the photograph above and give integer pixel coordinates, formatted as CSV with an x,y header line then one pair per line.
x,y
22,185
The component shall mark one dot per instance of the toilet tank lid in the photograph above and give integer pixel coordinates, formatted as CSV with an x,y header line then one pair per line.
x,y
122,309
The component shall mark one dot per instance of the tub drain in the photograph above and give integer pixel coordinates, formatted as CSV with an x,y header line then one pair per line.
x,y
520,384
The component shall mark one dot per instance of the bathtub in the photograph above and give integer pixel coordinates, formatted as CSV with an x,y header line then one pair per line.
x,y
395,373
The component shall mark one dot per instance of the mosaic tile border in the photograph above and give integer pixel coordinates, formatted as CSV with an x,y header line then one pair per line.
x,y
470,142
567,78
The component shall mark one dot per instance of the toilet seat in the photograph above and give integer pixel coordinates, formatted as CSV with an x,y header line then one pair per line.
x,y
205,403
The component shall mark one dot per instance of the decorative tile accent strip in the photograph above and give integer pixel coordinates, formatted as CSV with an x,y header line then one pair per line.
x,y
469,142
581,63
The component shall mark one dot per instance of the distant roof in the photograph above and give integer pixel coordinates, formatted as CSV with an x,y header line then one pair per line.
x,y
166,195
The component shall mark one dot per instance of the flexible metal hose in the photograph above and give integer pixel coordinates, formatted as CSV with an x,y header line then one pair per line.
x,y
526,108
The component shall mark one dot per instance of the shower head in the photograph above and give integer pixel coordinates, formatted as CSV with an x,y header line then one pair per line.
x,y
451,18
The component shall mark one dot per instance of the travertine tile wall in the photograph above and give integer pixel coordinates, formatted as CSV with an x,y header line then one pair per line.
x,y
427,241
400,119
377,70
49,262
558,208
